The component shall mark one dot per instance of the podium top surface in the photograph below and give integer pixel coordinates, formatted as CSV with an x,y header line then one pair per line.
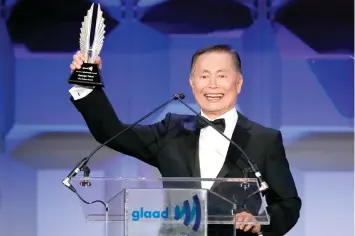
x,y
167,179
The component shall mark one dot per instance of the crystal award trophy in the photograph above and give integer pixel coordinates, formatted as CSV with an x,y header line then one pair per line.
x,y
89,73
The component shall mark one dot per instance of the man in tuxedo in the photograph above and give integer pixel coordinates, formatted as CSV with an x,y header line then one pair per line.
x,y
183,146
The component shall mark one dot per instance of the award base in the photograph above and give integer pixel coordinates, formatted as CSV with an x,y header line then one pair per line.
x,y
87,75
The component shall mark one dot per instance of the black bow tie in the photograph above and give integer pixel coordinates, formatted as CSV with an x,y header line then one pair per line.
x,y
220,124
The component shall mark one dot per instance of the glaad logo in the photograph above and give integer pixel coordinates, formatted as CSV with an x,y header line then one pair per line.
x,y
88,68
146,214
190,214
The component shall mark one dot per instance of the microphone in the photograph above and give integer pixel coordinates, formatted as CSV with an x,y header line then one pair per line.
x,y
82,165
263,185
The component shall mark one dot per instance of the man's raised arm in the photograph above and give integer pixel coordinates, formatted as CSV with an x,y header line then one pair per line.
x,y
141,142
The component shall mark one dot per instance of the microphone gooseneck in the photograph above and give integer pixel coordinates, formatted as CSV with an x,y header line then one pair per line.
x,y
263,185
82,165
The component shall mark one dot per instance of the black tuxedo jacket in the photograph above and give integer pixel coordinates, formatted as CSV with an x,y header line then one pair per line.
x,y
171,145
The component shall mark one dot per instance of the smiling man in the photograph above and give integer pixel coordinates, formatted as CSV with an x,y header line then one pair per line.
x,y
216,82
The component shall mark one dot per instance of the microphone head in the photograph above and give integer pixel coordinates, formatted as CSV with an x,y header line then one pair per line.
x,y
179,96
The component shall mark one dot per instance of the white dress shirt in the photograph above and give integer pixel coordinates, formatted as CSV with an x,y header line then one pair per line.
x,y
213,147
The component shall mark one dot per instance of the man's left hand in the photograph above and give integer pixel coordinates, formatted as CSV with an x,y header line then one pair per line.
x,y
246,217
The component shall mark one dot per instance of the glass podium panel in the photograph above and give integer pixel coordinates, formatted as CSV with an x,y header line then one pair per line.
x,y
168,206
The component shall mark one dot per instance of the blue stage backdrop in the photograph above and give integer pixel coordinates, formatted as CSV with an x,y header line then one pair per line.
x,y
298,77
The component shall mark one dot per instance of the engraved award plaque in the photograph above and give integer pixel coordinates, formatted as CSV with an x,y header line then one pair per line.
x,y
89,74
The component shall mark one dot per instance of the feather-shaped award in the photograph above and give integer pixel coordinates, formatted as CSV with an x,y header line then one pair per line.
x,y
89,73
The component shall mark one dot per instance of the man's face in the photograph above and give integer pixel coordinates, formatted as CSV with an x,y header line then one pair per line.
x,y
215,83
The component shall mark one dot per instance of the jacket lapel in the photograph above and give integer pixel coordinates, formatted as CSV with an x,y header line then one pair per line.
x,y
191,139
234,157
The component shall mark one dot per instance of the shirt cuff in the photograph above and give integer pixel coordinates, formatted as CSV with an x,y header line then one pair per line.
x,y
78,91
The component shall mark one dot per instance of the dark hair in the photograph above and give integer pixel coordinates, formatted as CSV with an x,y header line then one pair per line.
x,y
218,48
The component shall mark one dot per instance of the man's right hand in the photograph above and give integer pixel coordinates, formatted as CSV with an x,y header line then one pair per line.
x,y
78,60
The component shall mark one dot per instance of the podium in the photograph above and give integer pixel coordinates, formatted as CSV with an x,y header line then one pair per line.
x,y
169,206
